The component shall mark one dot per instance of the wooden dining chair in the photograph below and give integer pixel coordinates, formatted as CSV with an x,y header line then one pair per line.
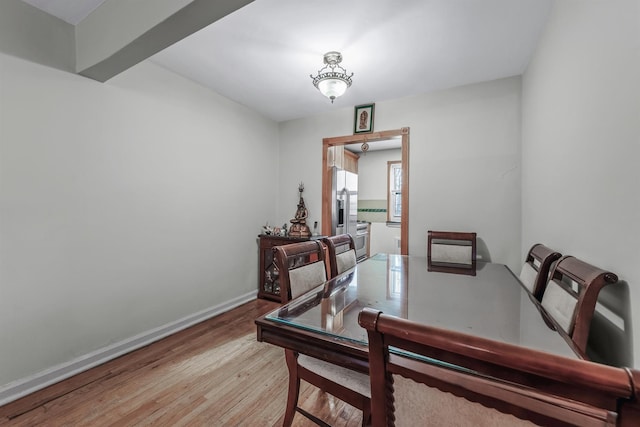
x,y
571,296
535,270
342,253
301,268
451,252
420,391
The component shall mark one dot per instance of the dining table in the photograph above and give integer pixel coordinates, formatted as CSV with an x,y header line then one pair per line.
x,y
489,310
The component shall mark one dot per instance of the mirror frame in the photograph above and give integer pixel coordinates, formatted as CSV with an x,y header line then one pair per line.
x,y
359,139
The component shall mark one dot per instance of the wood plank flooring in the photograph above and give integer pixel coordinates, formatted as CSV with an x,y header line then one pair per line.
x,y
212,374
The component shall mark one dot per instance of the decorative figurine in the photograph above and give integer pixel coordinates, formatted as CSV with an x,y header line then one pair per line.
x,y
299,227
266,229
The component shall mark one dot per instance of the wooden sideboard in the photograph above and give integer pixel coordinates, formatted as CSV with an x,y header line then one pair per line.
x,y
268,285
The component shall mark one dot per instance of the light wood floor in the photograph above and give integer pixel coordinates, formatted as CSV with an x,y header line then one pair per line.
x,y
212,374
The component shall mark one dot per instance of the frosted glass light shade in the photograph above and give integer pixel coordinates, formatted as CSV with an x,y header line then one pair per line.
x,y
332,88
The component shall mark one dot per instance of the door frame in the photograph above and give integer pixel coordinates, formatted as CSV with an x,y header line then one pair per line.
x,y
359,139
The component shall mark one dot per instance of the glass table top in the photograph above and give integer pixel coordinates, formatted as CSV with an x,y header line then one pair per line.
x,y
493,304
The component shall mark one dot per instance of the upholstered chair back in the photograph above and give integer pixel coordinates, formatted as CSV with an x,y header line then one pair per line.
x,y
409,389
301,267
451,252
535,270
571,296
342,253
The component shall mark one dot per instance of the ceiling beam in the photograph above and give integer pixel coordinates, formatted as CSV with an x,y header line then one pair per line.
x,y
122,33
31,34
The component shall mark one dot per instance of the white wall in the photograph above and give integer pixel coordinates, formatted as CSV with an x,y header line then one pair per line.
x,y
124,206
581,144
464,162
372,173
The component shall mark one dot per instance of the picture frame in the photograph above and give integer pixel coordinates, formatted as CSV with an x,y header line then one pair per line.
x,y
363,118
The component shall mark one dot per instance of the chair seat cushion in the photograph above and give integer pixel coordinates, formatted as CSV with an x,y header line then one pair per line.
x,y
353,380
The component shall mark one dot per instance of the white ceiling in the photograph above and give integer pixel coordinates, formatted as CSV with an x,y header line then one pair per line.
x,y
385,144
262,55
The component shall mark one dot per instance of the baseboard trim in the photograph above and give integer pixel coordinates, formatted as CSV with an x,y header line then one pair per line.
x,y
23,387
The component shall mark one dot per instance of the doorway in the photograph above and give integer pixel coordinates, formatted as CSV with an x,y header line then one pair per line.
x,y
333,155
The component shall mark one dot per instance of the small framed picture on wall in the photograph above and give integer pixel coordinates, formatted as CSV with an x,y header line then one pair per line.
x,y
363,118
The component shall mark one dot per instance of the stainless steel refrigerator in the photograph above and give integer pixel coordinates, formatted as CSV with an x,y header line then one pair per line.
x,y
344,209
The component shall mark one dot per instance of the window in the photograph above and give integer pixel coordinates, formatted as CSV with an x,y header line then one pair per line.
x,y
394,191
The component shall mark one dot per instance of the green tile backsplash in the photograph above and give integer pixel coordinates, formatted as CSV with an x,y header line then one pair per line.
x,y
372,210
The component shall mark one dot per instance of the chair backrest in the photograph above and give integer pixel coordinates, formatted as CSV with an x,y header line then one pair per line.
x,y
416,391
535,270
451,252
301,267
342,253
571,296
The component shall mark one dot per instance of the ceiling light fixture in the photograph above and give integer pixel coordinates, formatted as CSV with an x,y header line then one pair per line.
x,y
332,81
